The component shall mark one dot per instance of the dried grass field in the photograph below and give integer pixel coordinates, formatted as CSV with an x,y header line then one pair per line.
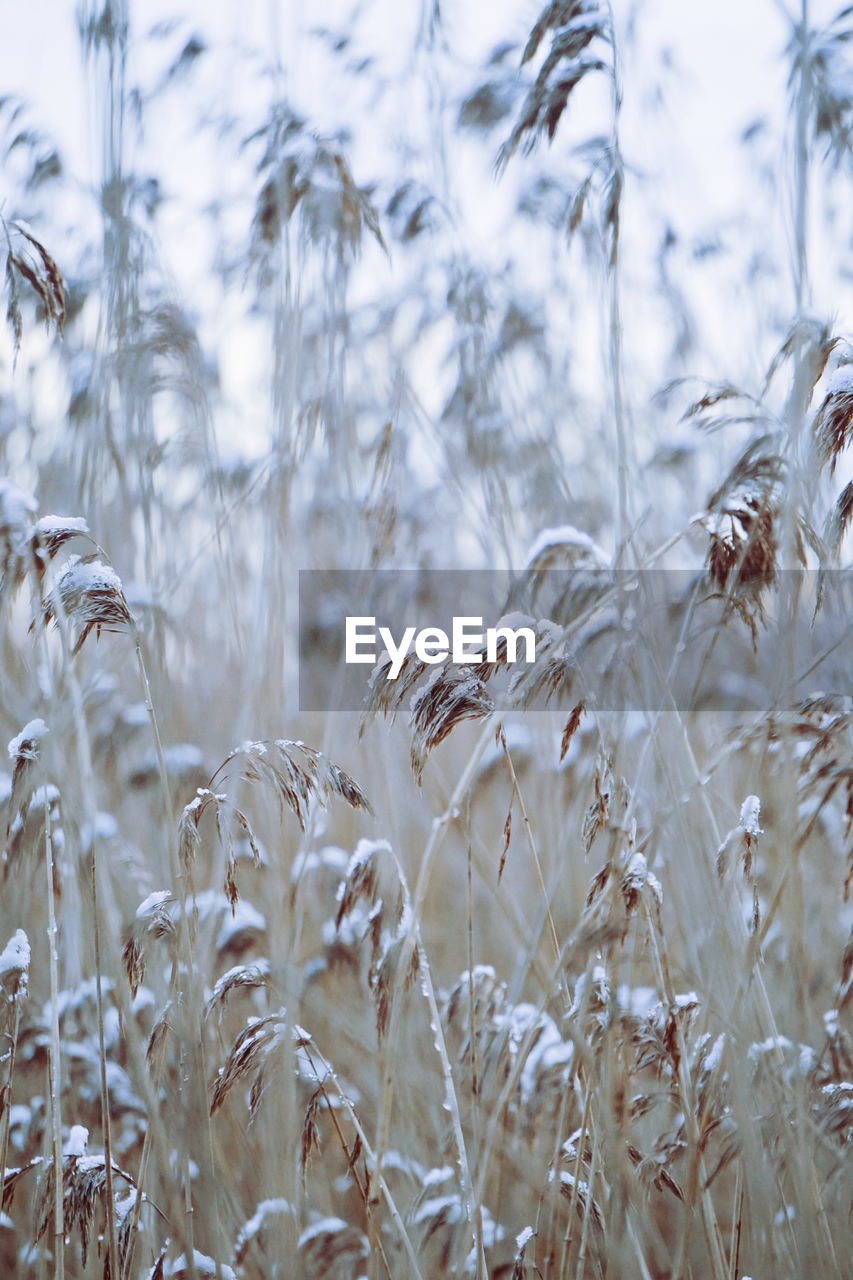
x,y
510,973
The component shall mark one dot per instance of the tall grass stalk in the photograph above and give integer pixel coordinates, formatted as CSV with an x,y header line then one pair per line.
x,y
54,1059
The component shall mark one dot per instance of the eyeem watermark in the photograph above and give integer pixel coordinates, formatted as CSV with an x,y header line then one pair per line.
x,y
434,645
615,639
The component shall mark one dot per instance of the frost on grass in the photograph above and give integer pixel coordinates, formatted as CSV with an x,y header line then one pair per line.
x,y
440,1220
229,820
360,880
450,696
255,1050
84,1183
750,812
777,1055
332,1247
252,1231
24,752
52,532
25,745
565,546
740,843
28,544
742,519
297,775
522,1240
573,28
204,1265
155,917
637,880
833,425
153,903
89,594
241,977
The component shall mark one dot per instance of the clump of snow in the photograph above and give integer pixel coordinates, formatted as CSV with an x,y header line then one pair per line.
x,y
798,1059
73,999
639,1001
590,988
364,852
17,507
564,542
515,619
441,1173
523,1238
637,877
449,1209
201,796
549,1052
750,812
180,758
43,796
56,529
135,715
204,1266
77,1142
714,1056
25,745
15,962
481,973
80,576
840,381
255,1224
254,973
492,1233
244,920
124,1204
325,1226
150,904
353,927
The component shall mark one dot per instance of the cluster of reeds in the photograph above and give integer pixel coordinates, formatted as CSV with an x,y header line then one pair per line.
x,y
538,971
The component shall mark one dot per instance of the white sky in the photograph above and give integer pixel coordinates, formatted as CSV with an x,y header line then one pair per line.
x,y
724,68
726,53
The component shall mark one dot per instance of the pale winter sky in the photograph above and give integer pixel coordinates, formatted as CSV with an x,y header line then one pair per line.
x,y
696,75
725,55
